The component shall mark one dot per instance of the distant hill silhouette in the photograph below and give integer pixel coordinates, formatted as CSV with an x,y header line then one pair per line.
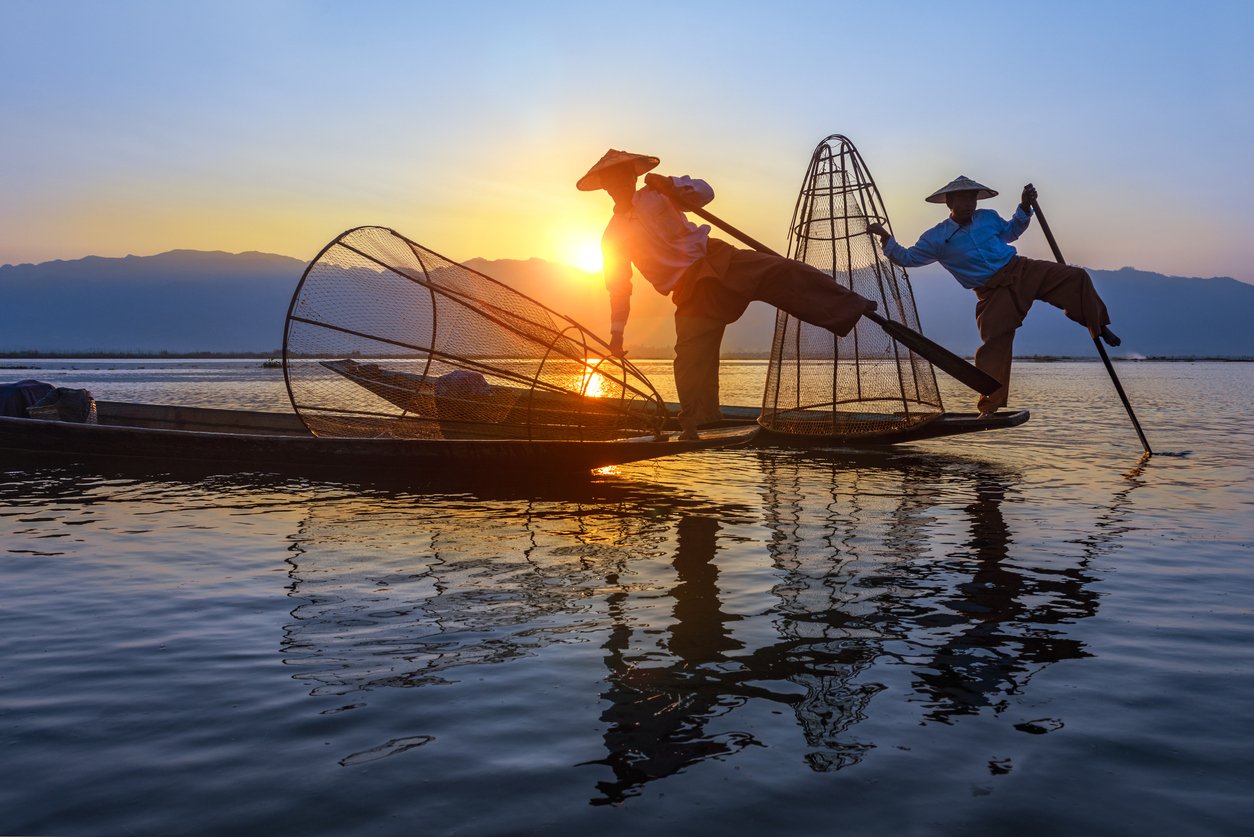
x,y
180,301
1155,315
194,301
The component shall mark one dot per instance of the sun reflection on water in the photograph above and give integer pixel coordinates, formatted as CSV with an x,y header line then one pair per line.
x,y
594,384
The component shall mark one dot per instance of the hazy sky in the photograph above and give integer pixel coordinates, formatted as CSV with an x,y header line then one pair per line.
x,y
139,127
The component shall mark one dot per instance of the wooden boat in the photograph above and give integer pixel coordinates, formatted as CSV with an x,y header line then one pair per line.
x,y
246,440
896,432
863,429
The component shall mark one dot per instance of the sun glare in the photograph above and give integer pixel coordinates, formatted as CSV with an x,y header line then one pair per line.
x,y
594,384
586,255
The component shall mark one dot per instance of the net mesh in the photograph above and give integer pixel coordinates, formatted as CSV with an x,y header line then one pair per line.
x,y
865,383
386,338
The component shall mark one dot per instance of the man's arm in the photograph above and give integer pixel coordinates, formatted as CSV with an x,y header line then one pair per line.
x,y
920,254
617,272
686,191
1022,217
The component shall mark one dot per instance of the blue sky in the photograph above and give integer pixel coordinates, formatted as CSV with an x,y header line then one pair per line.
x,y
139,127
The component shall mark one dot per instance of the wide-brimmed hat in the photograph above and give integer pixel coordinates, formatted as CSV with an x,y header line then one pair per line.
x,y
961,184
591,181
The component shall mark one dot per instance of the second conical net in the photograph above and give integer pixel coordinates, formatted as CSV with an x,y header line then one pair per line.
x,y
865,384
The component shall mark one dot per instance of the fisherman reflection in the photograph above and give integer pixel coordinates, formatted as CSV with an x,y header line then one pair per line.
x,y
844,603
862,586
657,714
998,620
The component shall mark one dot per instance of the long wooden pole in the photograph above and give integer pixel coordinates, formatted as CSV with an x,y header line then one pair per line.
x,y
1097,341
945,360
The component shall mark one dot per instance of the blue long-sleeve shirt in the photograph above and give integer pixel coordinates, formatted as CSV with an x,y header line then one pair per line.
x,y
972,253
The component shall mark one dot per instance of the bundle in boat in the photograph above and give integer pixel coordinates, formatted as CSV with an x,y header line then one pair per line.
x,y
864,386
385,338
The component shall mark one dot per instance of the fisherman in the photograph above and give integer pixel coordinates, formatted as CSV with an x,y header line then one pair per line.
x,y
973,245
710,281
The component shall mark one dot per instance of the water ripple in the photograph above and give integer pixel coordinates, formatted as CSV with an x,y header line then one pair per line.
x,y
932,638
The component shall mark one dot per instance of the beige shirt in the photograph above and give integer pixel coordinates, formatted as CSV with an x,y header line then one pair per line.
x,y
657,238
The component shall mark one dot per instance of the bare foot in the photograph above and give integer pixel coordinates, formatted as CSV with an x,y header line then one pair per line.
x,y
690,436
1109,337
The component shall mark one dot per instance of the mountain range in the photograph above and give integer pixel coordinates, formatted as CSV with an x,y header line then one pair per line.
x,y
188,301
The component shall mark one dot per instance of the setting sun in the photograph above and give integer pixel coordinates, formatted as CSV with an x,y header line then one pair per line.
x,y
586,255
576,241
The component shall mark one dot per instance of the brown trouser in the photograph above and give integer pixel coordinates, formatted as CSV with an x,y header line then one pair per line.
x,y
1004,302
716,290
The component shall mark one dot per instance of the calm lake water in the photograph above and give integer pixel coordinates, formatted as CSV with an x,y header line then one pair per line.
x,y
1021,632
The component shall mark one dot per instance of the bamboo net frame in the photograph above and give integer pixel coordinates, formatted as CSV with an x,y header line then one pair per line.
x,y
864,384
386,338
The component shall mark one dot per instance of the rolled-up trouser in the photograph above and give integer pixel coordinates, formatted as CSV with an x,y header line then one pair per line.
x,y
716,290
1004,302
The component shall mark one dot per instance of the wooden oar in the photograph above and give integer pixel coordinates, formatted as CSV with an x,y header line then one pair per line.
x,y
945,360
1097,341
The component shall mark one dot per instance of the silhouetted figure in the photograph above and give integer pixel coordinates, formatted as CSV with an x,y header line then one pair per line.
x,y
974,246
711,282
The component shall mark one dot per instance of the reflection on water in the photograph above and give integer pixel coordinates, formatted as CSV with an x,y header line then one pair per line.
x,y
409,597
875,561
999,625
658,705
929,640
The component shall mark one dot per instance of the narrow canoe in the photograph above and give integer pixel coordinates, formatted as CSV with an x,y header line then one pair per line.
x,y
245,440
946,424
403,389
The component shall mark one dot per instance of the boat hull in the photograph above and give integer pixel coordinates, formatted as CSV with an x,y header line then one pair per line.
x,y
240,440
946,424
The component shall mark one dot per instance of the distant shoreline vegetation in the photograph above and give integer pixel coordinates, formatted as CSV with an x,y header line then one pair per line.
x,y
651,354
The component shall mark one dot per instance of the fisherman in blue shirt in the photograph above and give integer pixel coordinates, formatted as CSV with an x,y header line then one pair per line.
x,y
974,245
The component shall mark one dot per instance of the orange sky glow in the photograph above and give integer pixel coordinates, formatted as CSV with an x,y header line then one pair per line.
x,y
227,127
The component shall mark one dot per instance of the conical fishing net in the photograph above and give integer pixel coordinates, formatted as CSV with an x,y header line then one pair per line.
x,y
864,384
385,338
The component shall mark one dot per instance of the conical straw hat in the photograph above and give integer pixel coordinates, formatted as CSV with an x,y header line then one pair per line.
x,y
961,184
591,181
